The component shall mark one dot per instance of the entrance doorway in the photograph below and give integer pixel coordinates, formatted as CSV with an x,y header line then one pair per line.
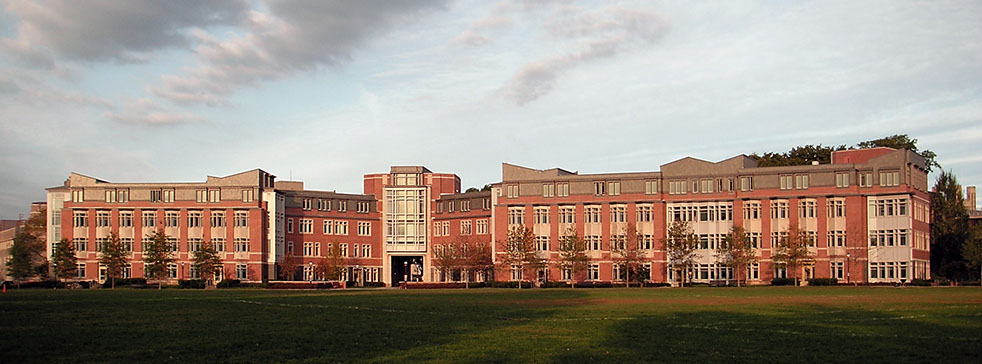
x,y
407,268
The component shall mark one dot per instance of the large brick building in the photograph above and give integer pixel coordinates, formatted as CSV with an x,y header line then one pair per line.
x,y
867,212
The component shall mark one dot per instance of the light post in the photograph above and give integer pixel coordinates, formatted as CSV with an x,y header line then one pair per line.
x,y
182,270
357,274
848,271
405,271
311,276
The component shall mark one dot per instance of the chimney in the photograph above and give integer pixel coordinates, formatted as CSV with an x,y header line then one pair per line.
x,y
970,198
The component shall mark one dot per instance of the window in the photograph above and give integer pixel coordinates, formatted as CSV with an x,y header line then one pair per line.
x,y
194,219
482,227
754,238
591,214
888,207
614,188
214,195
170,219
289,247
837,207
540,215
865,179
779,209
516,272
328,227
753,271
836,238
241,219
110,196
173,244
451,206
486,204
592,242
306,204
241,272
676,187
81,244
125,219
706,186
599,188
172,270
156,196
311,249
842,180
80,270
746,183
341,228
566,273
650,187
548,190
406,179
787,182
247,195
646,242
618,213
241,244
168,195
219,243
644,213
801,181
217,219
342,206
593,272
102,219
344,249
320,205
567,214
149,219
512,191
890,178
201,196
77,195
542,243
516,216
306,226
364,207
289,225
891,237
806,209
364,228
465,227
194,244
751,210
562,189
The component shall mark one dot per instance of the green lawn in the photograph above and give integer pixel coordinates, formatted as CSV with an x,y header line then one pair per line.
x,y
773,324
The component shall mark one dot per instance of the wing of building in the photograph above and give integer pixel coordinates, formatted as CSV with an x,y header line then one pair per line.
x,y
867,213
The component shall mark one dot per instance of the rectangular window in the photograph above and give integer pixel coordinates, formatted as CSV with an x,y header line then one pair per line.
x,y
241,244
801,181
889,178
241,219
241,272
194,244
512,191
125,219
306,204
806,209
465,227
779,209
482,227
77,195
247,195
341,228
746,183
562,189
837,207
591,214
593,272
599,188
328,227
486,204
787,182
842,180
644,213
516,216
592,242
618,213
366,251
364,228
102,219
306,226
214,195
81,244
217,219
548,190
219,243
149,219
706,185
168,195
567,214
289,225
865,179
342,206
172,270
540,215
650,187
201,196
676,187
363,207
110,196
542,243
751,210
173,244
344,249
171,219
836,238
194,219
614,188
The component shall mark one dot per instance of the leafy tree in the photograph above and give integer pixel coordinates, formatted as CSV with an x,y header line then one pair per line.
x,y
288,267
949,227
631,256
478,258
64,260
520,249
972,250
680,244
737,252
486,187
451,257
157,256
206,260
802,155
792,251
113,258
28,254
902,141
572,253
471,189
334,264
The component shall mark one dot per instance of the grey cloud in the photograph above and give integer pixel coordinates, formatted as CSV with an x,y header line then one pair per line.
x,y
8,86
145,112
295,36
100,30
598,34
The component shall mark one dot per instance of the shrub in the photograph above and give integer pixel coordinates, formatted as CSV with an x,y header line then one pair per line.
x,y
505,284
920,282
823,282
434,285
782,282
554,285
191,283
658,284
229,283
594,285
373,284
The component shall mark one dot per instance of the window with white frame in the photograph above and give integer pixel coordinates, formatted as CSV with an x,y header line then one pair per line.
x,y
751,210
194,244
646,242
241,244
512,191
836,238
599,188
676,187
836,207
865,179
889,178
806,209
548,190
614,188
466,227
593,272
341,228
247,195
343,247
214,195
779,209
746,183
645,213
516,215
787,182
171,219
173,244
542,243
219,243
562,189
567,214
125,218
754,238
241,272
241,219
591,214
482,226
366,251
81,244
102,218
364,228
889,237
194,219
168,195
201,196
706,185
80,270
217,219
540,215
110,196
753,271
364,207
888,207
306,204
342,206
306,226
592,242
837,269
289,225
842,179
148,219
618,213
801,181
651,187
77,195
328,227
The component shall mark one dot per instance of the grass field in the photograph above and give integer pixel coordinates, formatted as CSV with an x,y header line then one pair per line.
x,y
771,324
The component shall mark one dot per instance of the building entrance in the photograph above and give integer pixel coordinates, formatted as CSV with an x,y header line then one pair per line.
x,y
407,269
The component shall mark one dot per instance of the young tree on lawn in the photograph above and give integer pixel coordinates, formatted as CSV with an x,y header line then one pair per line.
x,y
288,267
478,258
64,260
792,251
206,260
630,255
157,256
972,250
113,258
520,249
737,252
336,262
572,254
680,245
949,228
449,257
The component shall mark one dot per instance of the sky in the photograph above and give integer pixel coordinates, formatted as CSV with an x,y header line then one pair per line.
x,y
327,91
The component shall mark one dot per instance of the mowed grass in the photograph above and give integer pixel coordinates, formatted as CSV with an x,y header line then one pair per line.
x,y
769,324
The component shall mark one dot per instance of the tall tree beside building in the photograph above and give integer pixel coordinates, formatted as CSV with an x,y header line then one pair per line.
x,y
949,227
64,259
157,256
450,257
630,256
572,254
737,252
792,251
336,263
113,258
520,249
28,254
206,260
680,244
479,258
288,267
972,250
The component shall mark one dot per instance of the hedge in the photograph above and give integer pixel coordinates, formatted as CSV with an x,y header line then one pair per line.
x,y
782,282
823,282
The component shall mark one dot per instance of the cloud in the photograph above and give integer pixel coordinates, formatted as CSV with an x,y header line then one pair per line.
x,y
596,33
8,86
145,112
295,36
124,31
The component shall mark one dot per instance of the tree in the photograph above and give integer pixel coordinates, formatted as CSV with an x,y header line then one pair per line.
x,y
157,256
972,250
28,254
902,141
288,267
572,254
486,187
949,227
478,258
113,258
334,263
450,257
630,256
64,260
520,249
206,260
680,245
792,251
737,252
